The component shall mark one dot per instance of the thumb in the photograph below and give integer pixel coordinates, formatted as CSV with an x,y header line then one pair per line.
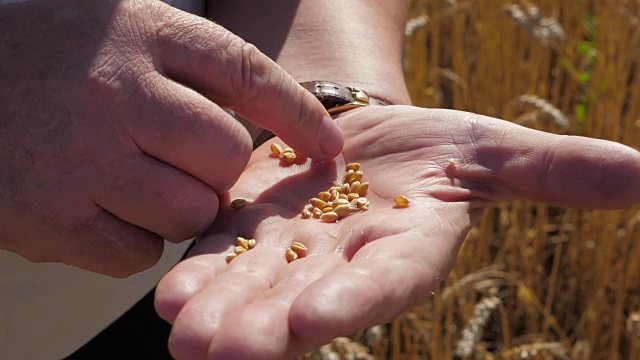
x,y
236,75
560,170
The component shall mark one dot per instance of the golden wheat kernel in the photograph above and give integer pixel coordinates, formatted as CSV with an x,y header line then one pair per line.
x,y
242,242
230,257
324,196
352,166
315,202
276,149
401,201
251,243
329,217
362,189
238,203
327,209
341,202
344,189
334,195
361,201
305,214
347,176
316,213
343,197
352,196
288,157
353,187
290,255
357,176
288,151
240,250
344,210
299,248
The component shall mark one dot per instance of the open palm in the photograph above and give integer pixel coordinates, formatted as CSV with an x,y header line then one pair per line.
x,y
371,266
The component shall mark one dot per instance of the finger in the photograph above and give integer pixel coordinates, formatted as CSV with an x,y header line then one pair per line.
x,y
269,314
107,245
158,197
517,162
188,278
202,317
381,281
184,129
192,275
236,75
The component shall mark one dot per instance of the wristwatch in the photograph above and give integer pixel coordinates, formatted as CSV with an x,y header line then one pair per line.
x,y
334,97
337,98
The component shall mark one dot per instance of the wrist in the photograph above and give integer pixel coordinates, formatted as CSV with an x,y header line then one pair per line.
x,y
377,72
356,43
384,86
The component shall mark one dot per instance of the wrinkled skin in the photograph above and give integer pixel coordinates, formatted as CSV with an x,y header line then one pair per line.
x,y
370,267
112,132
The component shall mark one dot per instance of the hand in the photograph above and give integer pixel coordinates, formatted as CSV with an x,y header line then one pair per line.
x,y
112,134
370,267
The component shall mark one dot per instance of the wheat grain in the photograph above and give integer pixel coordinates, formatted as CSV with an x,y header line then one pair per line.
x,y
238,203
401,201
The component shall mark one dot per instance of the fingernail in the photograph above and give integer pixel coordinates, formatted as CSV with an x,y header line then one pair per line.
x,y
331,141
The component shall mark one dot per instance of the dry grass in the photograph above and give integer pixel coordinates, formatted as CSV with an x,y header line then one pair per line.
x,y
567,282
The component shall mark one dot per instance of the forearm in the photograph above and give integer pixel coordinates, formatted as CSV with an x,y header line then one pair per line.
x,y
354,43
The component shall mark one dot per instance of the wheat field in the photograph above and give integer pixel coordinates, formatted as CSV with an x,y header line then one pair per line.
x,y
531,281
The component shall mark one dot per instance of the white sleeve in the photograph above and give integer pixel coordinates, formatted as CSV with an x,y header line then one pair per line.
x,y
48,311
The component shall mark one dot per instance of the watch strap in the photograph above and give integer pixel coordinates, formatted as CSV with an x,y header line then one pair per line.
x,y
337,98
334,97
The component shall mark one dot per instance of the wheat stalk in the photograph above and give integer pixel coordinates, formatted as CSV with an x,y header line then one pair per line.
x,y
472,333
546,107
534,350
415,23
545,30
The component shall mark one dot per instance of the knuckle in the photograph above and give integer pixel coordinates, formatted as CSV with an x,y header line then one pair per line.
x,y
183,30
235,153
247,68
190,213
300,109
102,244
136,20
247,72
198,39
124,57
115,71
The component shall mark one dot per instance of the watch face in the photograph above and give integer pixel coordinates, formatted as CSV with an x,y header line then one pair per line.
x,y
329,94
329,102
337,98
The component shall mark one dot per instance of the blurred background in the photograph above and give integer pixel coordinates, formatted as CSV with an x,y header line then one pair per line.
x,y
532,281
